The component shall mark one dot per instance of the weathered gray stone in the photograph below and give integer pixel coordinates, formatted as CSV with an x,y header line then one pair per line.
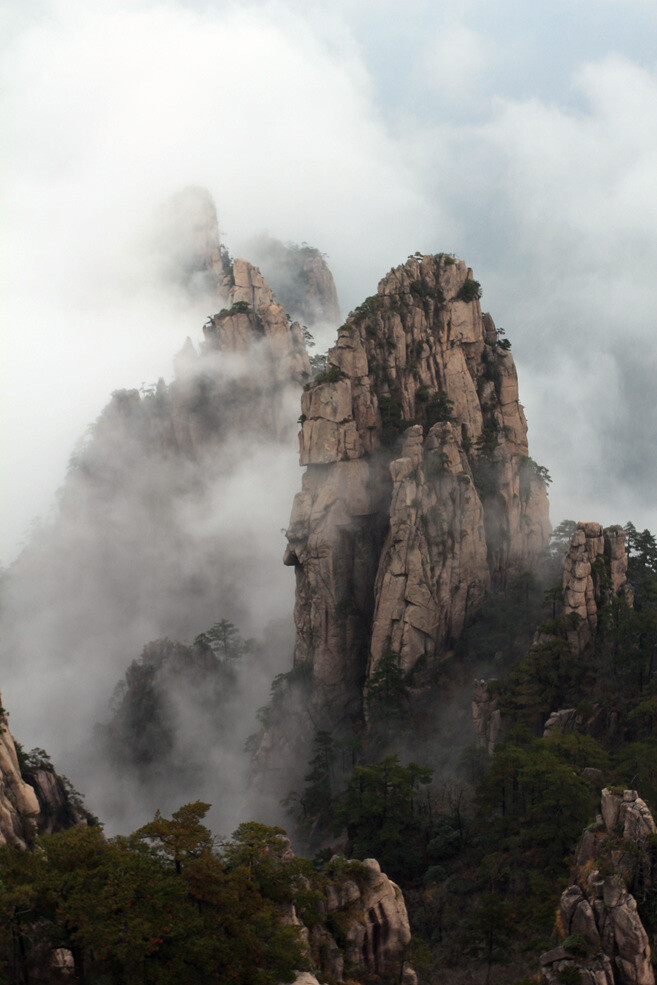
x,y
601,909
408,349
19,806
582,591
486,716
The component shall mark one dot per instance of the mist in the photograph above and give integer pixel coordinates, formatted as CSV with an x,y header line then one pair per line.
x,y
500,133
171,518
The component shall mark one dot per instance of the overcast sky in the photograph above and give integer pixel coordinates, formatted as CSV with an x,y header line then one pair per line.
x,y
520,135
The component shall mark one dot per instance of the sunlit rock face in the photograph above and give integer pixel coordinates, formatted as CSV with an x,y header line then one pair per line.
x,y
18,802
595,570
418,493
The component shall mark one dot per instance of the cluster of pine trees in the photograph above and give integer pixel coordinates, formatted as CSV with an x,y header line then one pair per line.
x,y
484,853
482,850
164,905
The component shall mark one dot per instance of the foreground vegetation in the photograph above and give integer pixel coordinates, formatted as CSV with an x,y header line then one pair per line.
x,y
481,845
165,905
483,850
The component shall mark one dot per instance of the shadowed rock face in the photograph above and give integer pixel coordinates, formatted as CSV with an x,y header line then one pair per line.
x,y
375,933
418,493
486,716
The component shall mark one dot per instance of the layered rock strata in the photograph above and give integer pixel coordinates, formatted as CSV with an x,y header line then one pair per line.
x,y
418,493
594,571
597,912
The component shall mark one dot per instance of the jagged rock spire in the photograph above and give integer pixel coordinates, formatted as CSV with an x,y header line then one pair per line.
x,y
396,541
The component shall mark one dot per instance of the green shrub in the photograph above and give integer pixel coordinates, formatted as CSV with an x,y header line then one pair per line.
x,y
391,419
437,464
439,408
529,468
239,308
470,291
570,975
369,307
577,945
332,375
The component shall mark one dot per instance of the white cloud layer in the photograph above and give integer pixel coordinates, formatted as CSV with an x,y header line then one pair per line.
x,y
370,135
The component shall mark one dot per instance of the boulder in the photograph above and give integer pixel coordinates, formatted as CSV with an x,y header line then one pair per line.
x,y
598,907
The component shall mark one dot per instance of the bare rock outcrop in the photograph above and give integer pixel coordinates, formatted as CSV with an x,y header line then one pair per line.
x,y
19,806
486,716
33,797
366,912
213,398
186,243
605,939
60,807
418,493
300,278
595,569
562,722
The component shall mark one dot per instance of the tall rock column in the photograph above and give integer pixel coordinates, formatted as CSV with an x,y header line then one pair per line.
x,y
595,570
419,492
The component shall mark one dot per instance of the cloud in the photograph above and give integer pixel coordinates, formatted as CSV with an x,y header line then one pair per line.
x,y
557,213
367,137
455,62
111,107
320,125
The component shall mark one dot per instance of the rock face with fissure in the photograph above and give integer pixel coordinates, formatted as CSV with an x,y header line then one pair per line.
x,y
369,910
595,570
599,908
486,716
418,493
18,802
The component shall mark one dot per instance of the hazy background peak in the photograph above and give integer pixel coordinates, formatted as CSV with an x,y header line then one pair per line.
x,y
520,135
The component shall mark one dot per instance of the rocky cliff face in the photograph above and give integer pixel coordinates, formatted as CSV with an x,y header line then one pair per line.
x,y
595,570
605,940
363,932
300,278
33,797
418,493
214,400
185,240
18,802
486,716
